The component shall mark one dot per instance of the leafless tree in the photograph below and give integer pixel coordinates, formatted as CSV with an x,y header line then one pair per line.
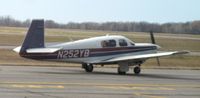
x,y
192,27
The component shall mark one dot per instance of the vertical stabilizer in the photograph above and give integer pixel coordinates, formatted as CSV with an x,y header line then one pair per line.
x,y
34,37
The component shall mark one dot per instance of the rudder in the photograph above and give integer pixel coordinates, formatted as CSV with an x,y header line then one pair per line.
x,y
34,37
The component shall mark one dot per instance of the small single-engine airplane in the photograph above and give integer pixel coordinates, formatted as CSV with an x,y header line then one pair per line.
x,y
109,49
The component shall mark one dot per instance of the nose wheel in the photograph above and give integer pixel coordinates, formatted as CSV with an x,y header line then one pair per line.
x,y
137,70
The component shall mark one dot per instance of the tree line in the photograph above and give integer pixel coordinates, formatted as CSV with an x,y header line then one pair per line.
x,y
192,27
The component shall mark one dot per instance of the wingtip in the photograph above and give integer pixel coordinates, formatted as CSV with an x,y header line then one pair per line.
x,y
183,52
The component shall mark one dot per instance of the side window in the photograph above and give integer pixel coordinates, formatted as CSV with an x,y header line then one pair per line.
x,y
108,43
122,42
112,43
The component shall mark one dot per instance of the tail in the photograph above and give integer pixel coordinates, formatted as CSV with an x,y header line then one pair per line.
x,y
34,37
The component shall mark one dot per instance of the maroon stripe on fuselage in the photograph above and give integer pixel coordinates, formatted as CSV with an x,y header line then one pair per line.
x,y
109,49
93,52
120,48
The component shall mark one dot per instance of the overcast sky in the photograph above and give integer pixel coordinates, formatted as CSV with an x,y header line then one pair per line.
x,y
64,11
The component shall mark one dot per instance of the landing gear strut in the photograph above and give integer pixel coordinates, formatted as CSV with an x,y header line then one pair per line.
x,y
137,70
123,68
121,72
88,67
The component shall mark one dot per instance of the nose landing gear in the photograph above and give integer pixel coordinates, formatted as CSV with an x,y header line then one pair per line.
x,y
137,70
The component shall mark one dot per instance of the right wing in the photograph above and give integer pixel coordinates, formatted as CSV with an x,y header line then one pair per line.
x,y
140,57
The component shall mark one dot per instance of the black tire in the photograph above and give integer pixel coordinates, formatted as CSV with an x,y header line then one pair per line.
x,y
137,70
120,72
89,68
84,65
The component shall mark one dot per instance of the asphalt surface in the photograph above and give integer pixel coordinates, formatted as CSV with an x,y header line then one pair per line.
x,y
68,82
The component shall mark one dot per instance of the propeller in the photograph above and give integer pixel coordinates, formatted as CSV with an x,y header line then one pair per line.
x,y
154,42
152,38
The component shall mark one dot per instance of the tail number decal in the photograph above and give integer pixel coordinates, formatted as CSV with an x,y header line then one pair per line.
x,y
73,53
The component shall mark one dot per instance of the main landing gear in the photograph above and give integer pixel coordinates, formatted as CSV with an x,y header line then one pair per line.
x,y
123,68
88,67
120,72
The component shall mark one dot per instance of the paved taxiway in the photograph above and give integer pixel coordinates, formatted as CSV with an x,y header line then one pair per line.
x,y
67,82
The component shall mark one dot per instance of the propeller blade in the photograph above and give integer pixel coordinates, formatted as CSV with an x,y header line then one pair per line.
x,y
152,37
154,42
158,61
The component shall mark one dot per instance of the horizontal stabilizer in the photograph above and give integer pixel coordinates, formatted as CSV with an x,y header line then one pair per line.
x,y
42,50
17,49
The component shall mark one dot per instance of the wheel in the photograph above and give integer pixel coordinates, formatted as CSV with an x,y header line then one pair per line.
x,y
88,67
137,70
120,72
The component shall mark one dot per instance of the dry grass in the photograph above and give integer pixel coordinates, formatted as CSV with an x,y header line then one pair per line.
x,y
165,43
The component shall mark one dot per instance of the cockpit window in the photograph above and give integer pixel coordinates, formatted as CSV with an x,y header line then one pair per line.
x,y
122,42
108,43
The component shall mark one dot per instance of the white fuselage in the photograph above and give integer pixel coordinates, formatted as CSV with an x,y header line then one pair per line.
x,y
91,49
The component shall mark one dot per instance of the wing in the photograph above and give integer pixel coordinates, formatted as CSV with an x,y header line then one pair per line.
x,y
140,57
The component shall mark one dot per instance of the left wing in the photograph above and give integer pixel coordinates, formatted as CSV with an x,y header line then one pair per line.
x,y
142,56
